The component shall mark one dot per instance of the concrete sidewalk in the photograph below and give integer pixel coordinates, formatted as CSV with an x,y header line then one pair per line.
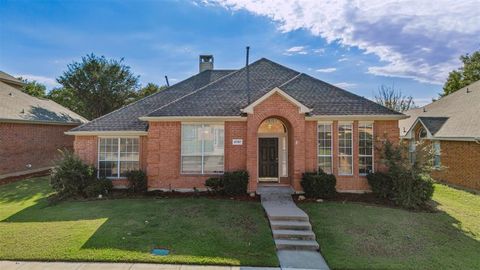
x,y
22,265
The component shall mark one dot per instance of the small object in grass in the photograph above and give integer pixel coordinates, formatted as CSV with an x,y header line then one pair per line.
x,y
252,194
301,198
319,200
160,251
123,238
100,196
146,221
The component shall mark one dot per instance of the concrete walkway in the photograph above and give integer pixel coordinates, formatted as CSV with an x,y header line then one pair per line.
x,y
21,265
291,229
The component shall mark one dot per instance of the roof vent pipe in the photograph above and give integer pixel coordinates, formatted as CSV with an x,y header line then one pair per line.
x,y
468,91
166,80
424,110
248,74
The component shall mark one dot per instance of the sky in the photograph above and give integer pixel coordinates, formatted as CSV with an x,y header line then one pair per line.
x,y
356,45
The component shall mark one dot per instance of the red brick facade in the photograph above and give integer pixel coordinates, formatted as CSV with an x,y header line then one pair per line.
x,y
161,148
28,147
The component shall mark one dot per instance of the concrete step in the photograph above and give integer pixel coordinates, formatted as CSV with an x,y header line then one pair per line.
x,y
293,234
289,217
290,225
283,244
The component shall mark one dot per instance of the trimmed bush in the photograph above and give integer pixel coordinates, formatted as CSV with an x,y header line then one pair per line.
x,y
381,184
319,185
235,183
137,181
215,184
70,176
99,187
412,191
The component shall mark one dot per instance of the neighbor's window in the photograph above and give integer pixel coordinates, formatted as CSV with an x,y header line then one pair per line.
x,y
202,148
345,144
325,147
365,148
116,156
436,148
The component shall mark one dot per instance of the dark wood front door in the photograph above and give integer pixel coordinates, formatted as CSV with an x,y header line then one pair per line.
x,y
268,155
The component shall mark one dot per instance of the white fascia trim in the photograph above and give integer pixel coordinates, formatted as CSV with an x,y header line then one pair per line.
x,y
301,108
356,117
192,118
40,122
107,133
409,134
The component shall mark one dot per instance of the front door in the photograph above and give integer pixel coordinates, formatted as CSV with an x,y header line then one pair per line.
x,y
268,156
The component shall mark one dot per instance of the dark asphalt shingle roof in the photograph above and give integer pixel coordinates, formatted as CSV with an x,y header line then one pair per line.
x,y
224,93
126,118
433,124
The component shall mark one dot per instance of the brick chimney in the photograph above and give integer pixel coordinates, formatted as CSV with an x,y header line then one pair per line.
x,y
206,62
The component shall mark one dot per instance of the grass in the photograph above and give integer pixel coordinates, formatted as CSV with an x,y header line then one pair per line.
x,y
196,230
359,236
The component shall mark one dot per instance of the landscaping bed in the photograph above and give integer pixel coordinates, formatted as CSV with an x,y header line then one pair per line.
x,y
196,230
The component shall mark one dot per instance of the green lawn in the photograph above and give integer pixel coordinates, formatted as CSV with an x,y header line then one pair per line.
x,y
359,236
196,230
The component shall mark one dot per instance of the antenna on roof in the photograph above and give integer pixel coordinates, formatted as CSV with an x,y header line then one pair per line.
x,y
166,80
248,75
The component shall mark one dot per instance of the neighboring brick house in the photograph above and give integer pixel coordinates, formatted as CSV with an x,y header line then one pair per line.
x,y
452,125
270,120
31,130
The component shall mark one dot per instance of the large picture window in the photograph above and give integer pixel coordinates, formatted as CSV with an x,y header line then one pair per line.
x,y
345,144
325,147
365,148
202,148
116,156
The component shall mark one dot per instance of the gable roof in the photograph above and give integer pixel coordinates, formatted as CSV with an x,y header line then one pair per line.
x,y
9,79
455,116
301,108
224,94
17,106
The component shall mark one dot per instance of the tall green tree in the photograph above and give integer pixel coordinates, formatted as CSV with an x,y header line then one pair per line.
x,y
66,97
33,88
149,89
394,99
469,73
100,85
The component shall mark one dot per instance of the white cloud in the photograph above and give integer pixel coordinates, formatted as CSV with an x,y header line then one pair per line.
x,y
296,50
345,85
326,70
48,82
413,39
343,59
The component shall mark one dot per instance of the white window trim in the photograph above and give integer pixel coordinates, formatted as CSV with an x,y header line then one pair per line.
x,y
373,147
203,149
342,155
118,154
322,123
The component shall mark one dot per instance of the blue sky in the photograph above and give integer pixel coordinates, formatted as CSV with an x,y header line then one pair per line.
x,y
354,45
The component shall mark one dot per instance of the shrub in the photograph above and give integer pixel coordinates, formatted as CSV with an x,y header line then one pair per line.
x,y
381,184
70,176
319,184
412,191
137,181
99,187
215,184
235,183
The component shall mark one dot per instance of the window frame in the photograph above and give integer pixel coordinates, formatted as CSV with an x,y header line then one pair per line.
x,y
331,144
202,164
118,154
373,147
351,147
437,153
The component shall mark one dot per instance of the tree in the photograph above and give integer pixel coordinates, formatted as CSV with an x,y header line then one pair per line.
x,y
148,90
469,73
394,99
66,97
33,88
99,85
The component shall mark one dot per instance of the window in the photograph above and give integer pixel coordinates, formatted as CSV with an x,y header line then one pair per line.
x,y
202,148
422,134
436,159
345,143
365,148
325,147
412,146
116,156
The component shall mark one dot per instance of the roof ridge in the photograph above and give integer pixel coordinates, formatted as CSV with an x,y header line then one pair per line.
x,y
137,101
209,84
291,79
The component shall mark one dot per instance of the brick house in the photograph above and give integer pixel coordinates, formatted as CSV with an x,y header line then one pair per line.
x,y
31,130
265,118
452,125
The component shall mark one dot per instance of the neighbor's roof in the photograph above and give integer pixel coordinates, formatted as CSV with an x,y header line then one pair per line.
x,y
9,79
17,106
226,95
454,116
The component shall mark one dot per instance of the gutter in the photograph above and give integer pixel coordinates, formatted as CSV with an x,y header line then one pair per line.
x,y
39,122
